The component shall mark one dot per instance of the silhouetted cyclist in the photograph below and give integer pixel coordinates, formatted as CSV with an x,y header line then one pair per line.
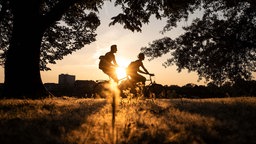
x,y
133,70
108,63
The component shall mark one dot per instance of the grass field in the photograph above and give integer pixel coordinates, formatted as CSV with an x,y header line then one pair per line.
x,y
67,120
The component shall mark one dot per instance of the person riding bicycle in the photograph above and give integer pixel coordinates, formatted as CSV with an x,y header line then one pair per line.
x,y
108,63
133,70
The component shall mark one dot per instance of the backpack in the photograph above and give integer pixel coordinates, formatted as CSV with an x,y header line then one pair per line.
x,y
102,63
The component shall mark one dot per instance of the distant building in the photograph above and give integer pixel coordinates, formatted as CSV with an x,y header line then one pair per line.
x,y
66,79
68,86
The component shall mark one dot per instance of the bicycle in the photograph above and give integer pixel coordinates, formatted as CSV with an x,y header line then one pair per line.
x,y
103,88
154,90
129,89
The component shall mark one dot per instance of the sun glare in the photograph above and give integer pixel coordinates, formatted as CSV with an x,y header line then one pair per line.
x,y
121,73
121,70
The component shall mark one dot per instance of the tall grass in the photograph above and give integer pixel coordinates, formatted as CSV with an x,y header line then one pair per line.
x,y
67,120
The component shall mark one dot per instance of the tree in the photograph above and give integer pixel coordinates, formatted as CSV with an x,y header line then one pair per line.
x,y
35,33
220,46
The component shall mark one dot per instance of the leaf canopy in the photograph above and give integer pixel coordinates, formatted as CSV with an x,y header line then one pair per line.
x,y
220,46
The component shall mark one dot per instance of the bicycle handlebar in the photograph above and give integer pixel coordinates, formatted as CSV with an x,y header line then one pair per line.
x,y
151,74
150,77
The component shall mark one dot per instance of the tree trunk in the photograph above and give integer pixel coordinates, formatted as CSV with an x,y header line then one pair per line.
x,y
22,73
22,69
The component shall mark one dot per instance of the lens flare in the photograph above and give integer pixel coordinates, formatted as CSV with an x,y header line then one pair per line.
x,y
121,72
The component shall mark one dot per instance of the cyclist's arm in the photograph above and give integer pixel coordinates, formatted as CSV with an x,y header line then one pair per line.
x,y
140,71
111,59
145,70
114,62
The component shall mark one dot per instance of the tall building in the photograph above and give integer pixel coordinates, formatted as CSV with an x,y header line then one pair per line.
x,y
66,79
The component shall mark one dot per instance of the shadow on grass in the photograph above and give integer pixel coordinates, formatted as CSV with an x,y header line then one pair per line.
x,y
232,119
27,123
200,121
221,110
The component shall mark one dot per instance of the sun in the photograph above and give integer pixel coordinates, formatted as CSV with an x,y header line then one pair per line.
x,y
121,70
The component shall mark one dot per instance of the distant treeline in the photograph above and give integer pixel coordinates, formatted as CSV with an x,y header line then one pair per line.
x,y
240,88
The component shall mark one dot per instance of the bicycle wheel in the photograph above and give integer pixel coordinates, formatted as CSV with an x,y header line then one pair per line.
x,y
127,89
155,91
102,89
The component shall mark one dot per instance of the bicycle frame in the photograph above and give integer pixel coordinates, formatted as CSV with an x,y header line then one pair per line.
x,y
128,88
154,90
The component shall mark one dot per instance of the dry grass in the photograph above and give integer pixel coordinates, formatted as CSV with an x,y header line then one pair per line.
x,y
69,120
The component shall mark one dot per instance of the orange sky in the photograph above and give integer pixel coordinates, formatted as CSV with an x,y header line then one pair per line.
x,y
84,63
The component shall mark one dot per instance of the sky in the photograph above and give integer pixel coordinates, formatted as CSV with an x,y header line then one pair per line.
x,y
84,63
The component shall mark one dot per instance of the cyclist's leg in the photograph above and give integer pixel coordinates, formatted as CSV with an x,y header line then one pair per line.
x,y
127,86
111,73
138,83
102,89
141,79
113,76
97,89
141,82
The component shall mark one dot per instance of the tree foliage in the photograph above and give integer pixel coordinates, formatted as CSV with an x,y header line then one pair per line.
x,y
135,13
64,33
220,46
